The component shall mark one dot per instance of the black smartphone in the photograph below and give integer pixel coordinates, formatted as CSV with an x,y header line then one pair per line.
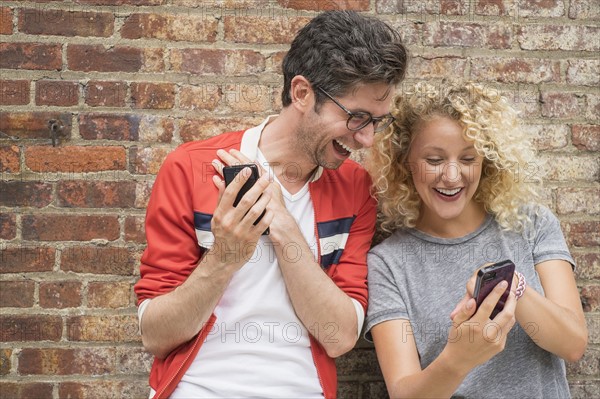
x,y
230,172
488,277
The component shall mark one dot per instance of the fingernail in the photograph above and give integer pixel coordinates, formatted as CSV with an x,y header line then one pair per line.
x,y
504,284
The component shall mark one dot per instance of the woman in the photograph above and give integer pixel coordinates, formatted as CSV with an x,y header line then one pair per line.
x,y
453,176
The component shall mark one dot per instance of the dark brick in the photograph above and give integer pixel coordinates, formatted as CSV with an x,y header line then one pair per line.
x,y
96,194
36,56
55,227
25,193
34,125
109,127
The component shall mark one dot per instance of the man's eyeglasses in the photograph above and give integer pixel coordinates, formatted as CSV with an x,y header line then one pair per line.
x,y
358,120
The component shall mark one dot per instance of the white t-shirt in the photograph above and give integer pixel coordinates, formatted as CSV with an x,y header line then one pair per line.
x,y
258,347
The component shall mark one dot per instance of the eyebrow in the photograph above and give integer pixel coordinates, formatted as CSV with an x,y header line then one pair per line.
x,y
469,147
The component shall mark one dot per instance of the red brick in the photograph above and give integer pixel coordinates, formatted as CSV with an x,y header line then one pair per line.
x,y
515,70
142,193
242,97
122,2
525,99
540,9
131,361
95,194
17,328
105,94
495,7
74,159
87,58
153,95
435,8
55,227
588,365
569,168
109,328
582,234
558,37
25,259
411,32
202,28
5,363
319,5
25,193
274,62
582,9
109,127
203,128
31,56
217,62
590,298
8,226
16,294
274,30
204,96
588,265
574,200
58,361
155,129
98,260
34,125
461,34
153,60
560,105
14,92
41,21
586,137
592,109
26,390
146,160
9,159
545,137
61,294
435,67
584,72
111,295
56,92
98,388
6,21
135,229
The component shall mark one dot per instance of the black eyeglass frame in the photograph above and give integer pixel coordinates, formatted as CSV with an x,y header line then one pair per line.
x,y
387,119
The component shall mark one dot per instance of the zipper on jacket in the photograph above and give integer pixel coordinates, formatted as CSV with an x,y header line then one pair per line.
x,y
312,352
158,395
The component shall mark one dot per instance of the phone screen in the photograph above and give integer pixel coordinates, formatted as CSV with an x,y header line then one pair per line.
x,y
488,277
230,172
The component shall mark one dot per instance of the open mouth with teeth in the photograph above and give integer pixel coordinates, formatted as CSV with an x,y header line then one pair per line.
x,y
449,193
341,148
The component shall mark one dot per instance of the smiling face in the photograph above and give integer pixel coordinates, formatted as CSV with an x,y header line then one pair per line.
x,y
446,170
325,138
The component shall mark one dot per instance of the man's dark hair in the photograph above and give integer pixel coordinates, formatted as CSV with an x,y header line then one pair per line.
x,y
338,50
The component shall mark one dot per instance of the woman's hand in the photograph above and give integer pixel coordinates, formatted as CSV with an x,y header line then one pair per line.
x,y
474,338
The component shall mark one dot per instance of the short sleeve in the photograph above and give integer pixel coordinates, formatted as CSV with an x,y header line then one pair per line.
x,y
385,300
547,239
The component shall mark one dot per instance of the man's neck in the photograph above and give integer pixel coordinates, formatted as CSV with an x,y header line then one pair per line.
x,y
289,164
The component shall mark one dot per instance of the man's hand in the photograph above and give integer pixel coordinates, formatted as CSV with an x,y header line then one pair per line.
x,y
235,234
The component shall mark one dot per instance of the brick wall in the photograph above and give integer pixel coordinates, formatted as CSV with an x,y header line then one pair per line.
x,y
128,81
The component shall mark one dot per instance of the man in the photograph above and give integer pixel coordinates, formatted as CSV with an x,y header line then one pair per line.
x,y
230,312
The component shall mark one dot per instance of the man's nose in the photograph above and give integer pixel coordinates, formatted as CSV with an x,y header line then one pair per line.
x,y
365,136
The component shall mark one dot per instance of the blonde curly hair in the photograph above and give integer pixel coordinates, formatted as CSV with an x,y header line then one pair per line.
x,y
488,121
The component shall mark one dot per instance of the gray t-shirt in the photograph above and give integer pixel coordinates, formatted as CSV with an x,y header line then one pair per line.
x,y
421,278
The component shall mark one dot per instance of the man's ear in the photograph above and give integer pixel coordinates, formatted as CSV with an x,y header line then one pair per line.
x,y
302,94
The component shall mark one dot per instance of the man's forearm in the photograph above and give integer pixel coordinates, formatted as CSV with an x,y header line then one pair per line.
x,y
325,310
174,318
